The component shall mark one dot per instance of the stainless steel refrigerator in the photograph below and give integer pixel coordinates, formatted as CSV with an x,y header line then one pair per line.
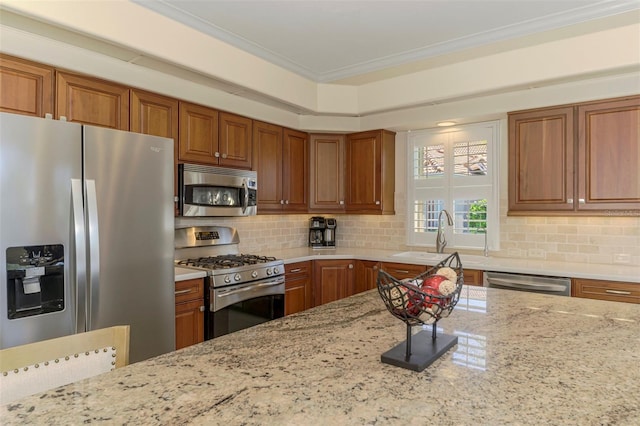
x,y
86,233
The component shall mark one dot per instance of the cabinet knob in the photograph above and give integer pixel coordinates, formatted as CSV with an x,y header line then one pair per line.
x,y
342,202
224,155
281,201
201,308
286,201
377,203
569,200
581,201
216,154
351,266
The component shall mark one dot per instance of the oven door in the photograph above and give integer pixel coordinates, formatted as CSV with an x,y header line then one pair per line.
x,y
242,306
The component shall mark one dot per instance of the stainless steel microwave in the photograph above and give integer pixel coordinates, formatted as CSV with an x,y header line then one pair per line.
x,y
216,191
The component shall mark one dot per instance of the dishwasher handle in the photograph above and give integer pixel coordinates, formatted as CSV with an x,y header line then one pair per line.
x,y
527,285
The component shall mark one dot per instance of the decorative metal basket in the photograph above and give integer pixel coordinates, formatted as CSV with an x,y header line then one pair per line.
x,y
416,305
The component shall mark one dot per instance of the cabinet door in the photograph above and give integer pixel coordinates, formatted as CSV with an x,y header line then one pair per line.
x,y
472,277
401,271
152,114
295,172
189,323
198,141
541,158
25,87
267,150
366,275
332,280
298,290
370,172
92,101
609,155
235,141
327,172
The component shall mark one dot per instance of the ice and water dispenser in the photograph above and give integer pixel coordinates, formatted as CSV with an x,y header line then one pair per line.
x,y
35,280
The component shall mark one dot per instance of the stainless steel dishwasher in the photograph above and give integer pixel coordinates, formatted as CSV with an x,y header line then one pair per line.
x,y
560,286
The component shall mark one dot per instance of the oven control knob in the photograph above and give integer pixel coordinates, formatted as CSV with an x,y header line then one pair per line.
x,y
254,274
268,271
227,279
237,277
275,270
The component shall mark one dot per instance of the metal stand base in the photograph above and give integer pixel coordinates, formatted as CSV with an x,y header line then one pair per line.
x,y
422,351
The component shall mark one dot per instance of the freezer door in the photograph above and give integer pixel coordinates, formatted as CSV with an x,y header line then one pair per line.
x,y
129,208
39,160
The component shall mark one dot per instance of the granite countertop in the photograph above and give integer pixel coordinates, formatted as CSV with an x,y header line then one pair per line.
x,y
521,358
615,272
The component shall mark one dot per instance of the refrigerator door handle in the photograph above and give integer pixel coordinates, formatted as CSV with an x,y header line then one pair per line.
x,y
79,280
94,253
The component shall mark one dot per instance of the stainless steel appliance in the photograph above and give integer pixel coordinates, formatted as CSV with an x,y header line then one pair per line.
x,y
241,290
560,286
216,191
330,232
86,233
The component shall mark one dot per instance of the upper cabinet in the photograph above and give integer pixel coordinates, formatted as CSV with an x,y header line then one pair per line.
x,y
541,144
578,159
25,87
327,172
198,140
280,159
92,101
235,141
214,138
370,172
609,155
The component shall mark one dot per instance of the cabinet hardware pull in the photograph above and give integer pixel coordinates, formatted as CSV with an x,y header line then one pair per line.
x,y
581,200
341,202
216,154
620,292
569,200
296,270
281,201
350,266
224,155
183,291
286,201
377,203
201,308
400,271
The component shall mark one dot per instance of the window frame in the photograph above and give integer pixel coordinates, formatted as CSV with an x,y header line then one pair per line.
x,y
449,184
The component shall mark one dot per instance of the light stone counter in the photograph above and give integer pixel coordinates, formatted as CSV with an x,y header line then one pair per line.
x,y
521,358
615,272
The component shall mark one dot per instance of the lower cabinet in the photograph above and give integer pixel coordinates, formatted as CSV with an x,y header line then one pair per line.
x,y
366,275
401,271
189,312
606,290
332,280
472,277
298,289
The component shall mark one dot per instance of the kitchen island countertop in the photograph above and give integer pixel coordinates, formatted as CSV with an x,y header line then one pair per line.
x,y
521,358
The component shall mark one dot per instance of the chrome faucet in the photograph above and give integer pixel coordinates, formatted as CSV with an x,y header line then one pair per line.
x,y
441,242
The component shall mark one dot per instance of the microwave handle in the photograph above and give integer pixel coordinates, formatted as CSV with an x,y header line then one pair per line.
x,y
245,203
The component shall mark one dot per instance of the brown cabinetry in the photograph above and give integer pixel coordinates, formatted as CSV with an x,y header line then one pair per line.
x,y
370,172
198,141
327,173
366,275
280,159
401,271
235,141
609,155
92,101
579,158
25,87
298,289
606,290
332,280
189,312
472,277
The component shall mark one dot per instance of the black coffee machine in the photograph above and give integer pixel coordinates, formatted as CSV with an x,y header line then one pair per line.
x,y
322,232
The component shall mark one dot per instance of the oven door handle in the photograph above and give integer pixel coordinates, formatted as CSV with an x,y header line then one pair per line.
x,y
250,288
245,201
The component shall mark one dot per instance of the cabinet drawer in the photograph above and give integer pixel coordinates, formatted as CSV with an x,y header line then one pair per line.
x,y
606,290
297,270
402,270
189,290
472,277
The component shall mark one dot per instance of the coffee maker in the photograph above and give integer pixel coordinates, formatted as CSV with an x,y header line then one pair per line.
x,y
330,226
316,231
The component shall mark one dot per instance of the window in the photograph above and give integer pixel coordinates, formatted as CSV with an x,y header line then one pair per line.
x,y
455,170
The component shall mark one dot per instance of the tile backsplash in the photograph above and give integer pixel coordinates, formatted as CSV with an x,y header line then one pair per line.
x,y
605,240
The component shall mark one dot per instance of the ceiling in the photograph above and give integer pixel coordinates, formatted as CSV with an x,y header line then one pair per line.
x,y
356,42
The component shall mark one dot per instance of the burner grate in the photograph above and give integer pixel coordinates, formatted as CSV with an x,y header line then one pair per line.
x,y
226,261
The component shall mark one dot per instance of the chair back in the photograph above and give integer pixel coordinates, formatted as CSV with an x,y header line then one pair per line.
x,y
40,366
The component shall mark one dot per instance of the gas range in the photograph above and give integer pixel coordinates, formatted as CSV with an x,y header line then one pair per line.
x,y
228,269
214,249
